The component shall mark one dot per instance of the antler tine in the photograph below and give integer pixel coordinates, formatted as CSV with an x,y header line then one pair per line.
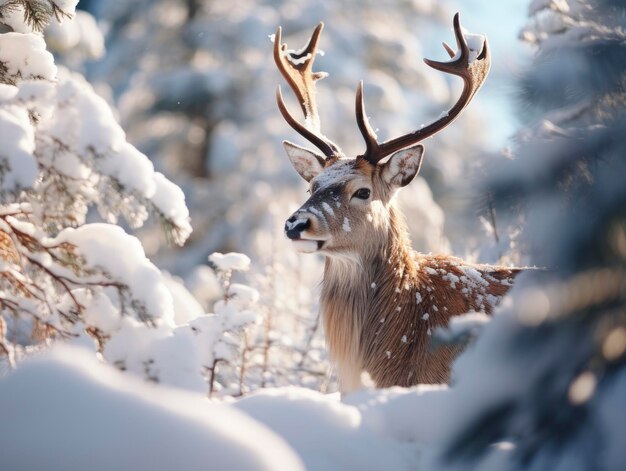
x,y
472,71
327,147
296,68
371,142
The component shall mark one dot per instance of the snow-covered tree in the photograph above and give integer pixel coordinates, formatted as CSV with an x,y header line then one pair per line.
x,y
62,154
544,387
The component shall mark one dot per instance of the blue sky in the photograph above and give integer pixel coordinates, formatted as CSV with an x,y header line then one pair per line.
x,y
501,21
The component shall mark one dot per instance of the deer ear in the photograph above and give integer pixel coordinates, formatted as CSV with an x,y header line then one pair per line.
x,y
307,163
402,166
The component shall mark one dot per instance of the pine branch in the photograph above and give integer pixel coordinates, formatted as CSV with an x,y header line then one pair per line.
x,y
39,13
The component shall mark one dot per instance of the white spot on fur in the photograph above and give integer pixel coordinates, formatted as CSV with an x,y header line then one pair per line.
x,y
328,209
291,225
317,212
346,225
369,218
388,353
425,316
404,339
398,290
418,297
453,279
373,285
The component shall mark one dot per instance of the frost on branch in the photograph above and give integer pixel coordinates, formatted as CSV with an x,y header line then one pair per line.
x,y
71,283
222,336
35,15
208,348
62,152
24,57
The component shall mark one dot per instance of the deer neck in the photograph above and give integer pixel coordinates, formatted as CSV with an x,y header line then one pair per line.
x,y
350,285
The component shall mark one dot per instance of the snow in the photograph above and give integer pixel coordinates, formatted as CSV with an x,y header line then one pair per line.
x,y
82,414
186,306
68,6
327,434
18,168
537,5
170,200
97,242
337,173
474,275
25,56
230,261
466,324
452,278
100,311
475,43
77,34
127,165
243,295
346,225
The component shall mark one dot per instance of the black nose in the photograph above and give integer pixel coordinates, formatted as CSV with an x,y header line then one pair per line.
x,y
295,225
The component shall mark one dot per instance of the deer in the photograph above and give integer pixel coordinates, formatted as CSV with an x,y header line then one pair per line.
x,y
380,299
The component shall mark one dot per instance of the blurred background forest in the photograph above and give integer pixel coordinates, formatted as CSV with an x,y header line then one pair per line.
x,y
533,173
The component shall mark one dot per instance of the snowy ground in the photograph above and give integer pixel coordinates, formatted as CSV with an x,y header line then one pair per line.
x,y
80,413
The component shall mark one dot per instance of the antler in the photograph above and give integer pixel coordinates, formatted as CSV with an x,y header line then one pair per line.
x,y
296,67
473,71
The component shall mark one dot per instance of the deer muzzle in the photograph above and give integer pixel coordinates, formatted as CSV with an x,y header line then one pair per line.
x,y
295,229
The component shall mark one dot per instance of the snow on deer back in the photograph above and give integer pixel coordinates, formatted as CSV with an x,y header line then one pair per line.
x,y
380,299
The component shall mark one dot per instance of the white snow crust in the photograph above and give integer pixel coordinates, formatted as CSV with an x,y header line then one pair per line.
x,y
70,412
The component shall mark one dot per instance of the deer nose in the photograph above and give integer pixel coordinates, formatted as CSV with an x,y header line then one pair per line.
x,y
295,225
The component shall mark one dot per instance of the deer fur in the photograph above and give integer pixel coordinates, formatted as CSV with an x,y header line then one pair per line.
x,y
372,318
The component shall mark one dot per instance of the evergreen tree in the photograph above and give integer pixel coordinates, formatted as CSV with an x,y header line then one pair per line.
x,y
548,375
61,154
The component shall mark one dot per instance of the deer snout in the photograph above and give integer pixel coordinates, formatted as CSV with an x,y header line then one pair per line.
x,y
295,225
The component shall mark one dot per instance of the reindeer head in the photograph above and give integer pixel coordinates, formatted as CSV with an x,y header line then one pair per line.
x,y
350,197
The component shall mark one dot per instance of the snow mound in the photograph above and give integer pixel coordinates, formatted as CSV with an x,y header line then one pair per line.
x,y
327,434
69,412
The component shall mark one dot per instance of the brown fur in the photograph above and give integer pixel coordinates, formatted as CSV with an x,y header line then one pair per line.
x,y
372,319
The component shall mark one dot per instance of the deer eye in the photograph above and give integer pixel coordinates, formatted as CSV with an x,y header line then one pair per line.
x,y
362,193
